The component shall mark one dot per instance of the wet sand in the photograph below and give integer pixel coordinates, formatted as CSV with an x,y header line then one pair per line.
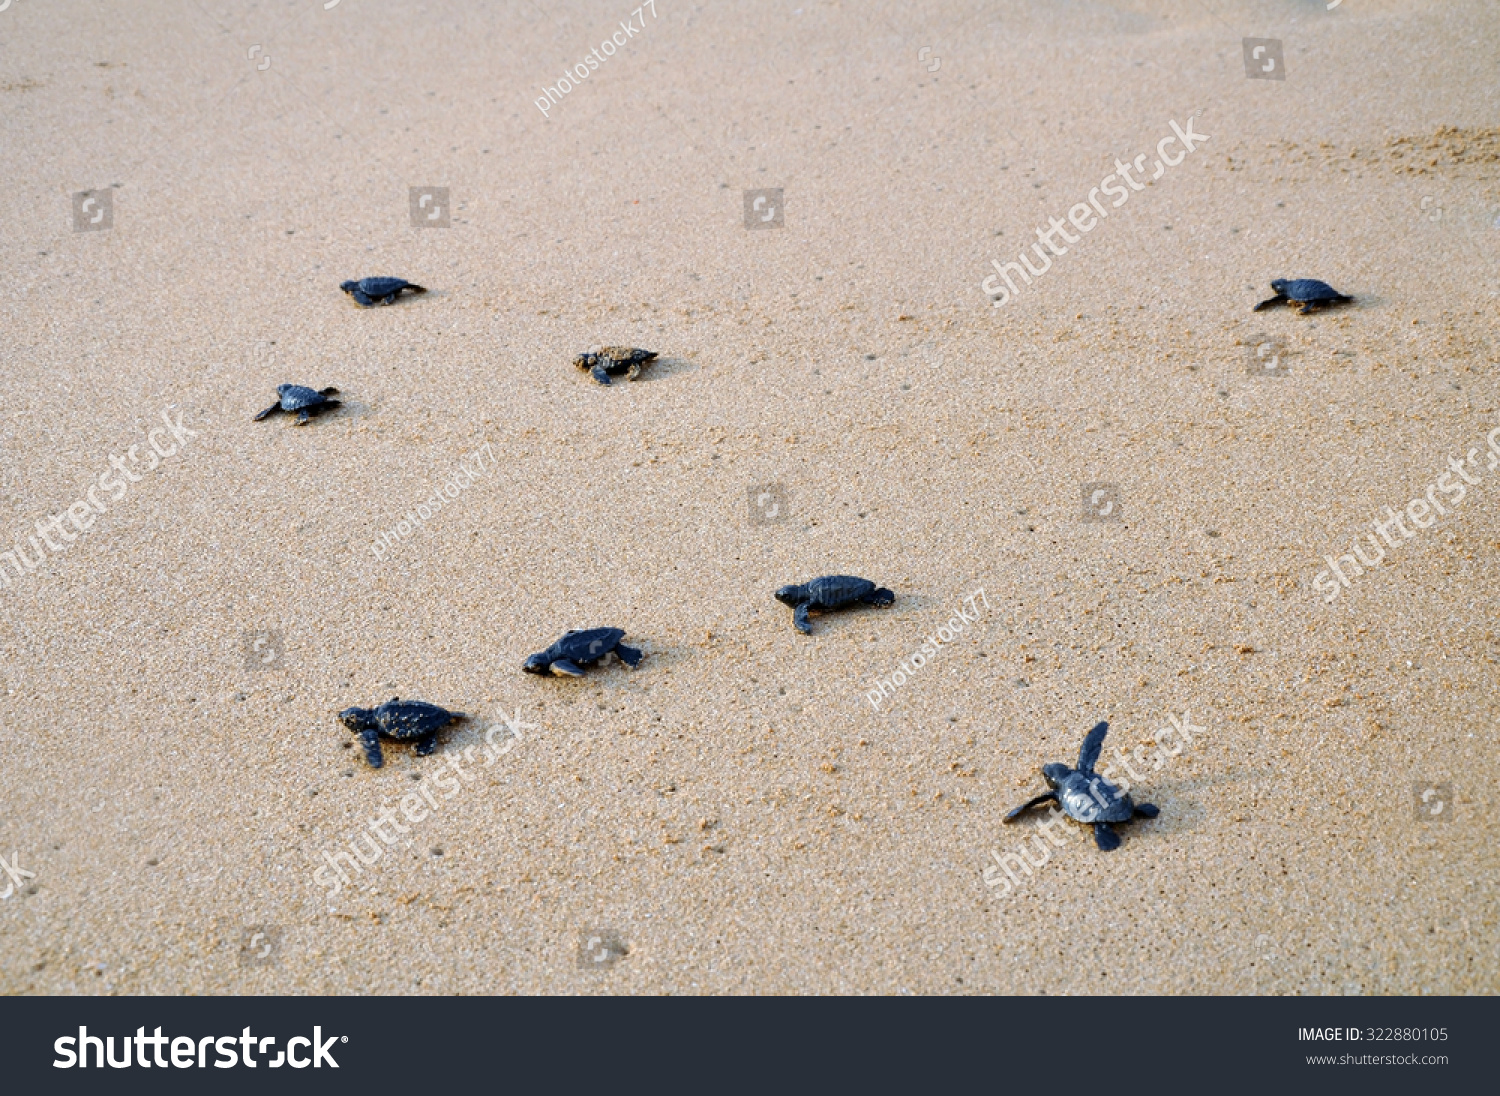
x,y
735,816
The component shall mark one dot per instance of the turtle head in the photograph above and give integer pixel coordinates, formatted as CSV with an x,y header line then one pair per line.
x,y
282,390
1278,286
791,595
1055,773
586,361
537,663
358,719
348,287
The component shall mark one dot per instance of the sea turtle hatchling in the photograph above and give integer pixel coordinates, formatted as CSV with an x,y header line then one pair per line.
x,y
1087,797
398,720
828,593
603,362
303,401
577,649
1308,292
368,292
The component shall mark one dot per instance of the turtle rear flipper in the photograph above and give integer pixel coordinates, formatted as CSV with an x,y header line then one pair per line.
x,y
1093,745
1147,810
563,668
1105,837
599,373
427,744
1050,797
628,655
370,740
275,407
879,597
414,288
329,392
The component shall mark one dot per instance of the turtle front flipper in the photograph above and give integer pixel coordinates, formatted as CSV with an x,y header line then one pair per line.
x,y
600,374
880,597
801,621
563,668
362,298
427,745
370,740
1050,797
275,407
1278,299
1105,837
1093,745
302,416
1146,810
628,655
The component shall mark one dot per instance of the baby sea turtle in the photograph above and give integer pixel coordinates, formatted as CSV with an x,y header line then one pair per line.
x,y
369,292
1308,292
830,592
577,649
399,721
1087,797
304,401
604,362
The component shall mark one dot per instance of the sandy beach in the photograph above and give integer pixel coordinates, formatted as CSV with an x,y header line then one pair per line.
x,y
1119,493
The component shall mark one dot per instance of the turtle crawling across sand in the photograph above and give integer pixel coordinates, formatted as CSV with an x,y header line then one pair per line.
x,y
1087,797
828,593
603,362
577,649
303,401
1308,292
398,720
368,292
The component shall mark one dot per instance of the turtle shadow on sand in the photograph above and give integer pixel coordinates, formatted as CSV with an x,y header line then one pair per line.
x,y
663,368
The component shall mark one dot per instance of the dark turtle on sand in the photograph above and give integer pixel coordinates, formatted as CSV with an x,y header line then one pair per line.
x,y
577,649
369,292
603,362
1308,292
1087,797
303,401
398,720
828,593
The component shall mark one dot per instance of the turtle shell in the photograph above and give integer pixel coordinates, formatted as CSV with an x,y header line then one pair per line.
x,y
382,287
614,358
1076,795
1308,289
835,590
403,719
588,645
294,397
